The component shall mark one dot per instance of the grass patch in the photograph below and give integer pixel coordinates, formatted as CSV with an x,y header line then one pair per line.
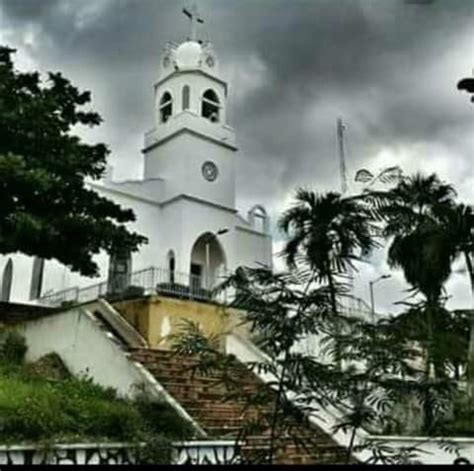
x,y
42,403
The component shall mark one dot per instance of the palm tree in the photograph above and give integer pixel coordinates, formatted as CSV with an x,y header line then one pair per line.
x,y
425,256
327,232
415,214
459,223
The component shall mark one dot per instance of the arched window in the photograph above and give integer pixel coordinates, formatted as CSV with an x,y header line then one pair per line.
x,y
37,278
6,286
171,266
186,96
258,219
166,107
210,106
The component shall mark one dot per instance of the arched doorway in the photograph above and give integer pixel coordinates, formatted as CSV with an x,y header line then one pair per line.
x,y
208,262
6,282
171,266
120,271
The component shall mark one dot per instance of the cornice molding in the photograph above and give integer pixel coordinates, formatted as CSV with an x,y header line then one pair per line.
x,y
188,130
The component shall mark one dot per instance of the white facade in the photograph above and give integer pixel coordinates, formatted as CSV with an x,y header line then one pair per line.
x,y
187,194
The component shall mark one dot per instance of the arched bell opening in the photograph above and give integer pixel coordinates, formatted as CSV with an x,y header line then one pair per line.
x,y
166,107
258,219
211,106
208,262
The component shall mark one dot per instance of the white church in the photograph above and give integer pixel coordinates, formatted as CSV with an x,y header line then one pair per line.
x,y
185,202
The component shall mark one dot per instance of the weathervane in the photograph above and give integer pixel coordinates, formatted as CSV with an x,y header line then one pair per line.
x,y
192,13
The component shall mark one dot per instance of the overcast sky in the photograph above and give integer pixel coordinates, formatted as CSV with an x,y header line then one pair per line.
x,y
389,68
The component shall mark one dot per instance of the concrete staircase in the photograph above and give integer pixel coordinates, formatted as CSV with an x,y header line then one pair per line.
x,y
205,397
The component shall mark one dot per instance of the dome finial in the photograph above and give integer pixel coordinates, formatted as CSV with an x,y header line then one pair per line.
x,y
192,13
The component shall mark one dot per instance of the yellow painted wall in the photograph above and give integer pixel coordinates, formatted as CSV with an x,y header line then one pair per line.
x,y
156,317
137,313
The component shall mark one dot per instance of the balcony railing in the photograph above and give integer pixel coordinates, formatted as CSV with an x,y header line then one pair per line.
x,y
149,281
154,280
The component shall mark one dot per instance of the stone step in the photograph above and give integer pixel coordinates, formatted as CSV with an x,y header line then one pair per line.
x,y
184,379
230,413
193,397
204,393
223,432
220,423
182,361
202,404
196,377
187,361
167,357
234,410
204,397
201,392
184,391
198,386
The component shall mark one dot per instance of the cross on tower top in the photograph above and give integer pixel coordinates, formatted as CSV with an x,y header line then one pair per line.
x,y
192,13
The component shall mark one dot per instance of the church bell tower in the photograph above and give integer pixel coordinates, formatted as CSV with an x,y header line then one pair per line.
x,y
191,146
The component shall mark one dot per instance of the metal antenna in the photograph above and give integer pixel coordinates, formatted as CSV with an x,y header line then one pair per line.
x,y
342,157
341,127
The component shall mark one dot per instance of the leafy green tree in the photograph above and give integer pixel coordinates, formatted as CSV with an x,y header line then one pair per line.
x,y
450,336
328,233
418,240
419,243
459,225
381,371
46,208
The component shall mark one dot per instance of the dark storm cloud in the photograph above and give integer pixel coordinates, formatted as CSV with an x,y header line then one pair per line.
x,y
29,9
311,50
388,67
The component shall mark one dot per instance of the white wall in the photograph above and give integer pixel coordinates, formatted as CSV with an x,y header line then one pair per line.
x,y
198,219
148,223
84,346
21,280
179,161
254,247
152,189
87,348
172,168
174,226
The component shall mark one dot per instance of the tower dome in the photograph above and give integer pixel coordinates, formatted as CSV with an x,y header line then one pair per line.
x,y
188,55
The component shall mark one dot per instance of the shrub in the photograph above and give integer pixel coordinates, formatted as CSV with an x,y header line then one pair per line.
x,y
161,418
13,349
61,410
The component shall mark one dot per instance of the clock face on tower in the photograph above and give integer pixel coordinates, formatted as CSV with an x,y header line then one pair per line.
x,y
209,171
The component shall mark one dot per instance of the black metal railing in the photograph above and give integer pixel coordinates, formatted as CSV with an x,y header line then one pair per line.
x,y
152,280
